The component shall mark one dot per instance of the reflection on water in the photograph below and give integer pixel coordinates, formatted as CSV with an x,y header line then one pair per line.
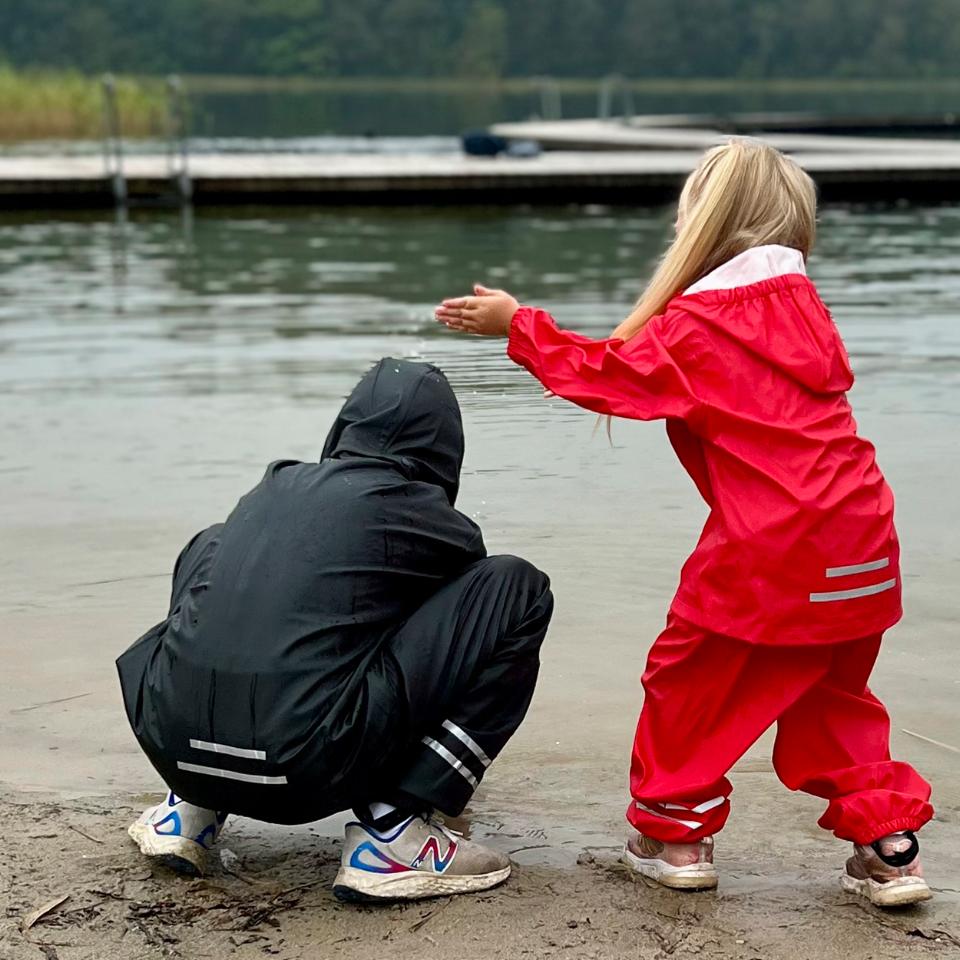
x,y
265,302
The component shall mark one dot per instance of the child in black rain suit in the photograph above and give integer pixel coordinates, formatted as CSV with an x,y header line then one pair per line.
x,y
343,641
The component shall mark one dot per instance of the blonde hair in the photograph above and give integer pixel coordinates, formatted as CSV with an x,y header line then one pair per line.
x,y
742,194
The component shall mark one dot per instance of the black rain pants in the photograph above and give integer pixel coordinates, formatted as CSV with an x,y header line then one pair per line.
x,y
467,662
456,679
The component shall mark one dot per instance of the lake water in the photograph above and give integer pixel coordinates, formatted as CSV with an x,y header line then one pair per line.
x,y
151,367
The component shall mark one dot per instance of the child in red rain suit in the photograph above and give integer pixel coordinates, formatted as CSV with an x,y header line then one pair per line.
x,y
782,604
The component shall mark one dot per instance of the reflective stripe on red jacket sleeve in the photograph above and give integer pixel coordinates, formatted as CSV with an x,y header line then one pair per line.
x,y
639,378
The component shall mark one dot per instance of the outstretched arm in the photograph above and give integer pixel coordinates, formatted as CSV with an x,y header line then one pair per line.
x,y
639,378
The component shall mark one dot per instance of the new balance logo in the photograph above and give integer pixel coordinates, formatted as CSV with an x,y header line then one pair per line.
x,y
432,849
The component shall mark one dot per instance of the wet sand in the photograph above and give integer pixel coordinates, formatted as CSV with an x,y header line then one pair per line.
x,y
273,898
111,456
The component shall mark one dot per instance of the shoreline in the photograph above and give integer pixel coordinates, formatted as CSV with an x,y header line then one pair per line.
x,y
49,104
221,83
269,894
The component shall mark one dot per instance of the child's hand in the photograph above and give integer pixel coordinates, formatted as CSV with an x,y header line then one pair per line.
x,y
488,313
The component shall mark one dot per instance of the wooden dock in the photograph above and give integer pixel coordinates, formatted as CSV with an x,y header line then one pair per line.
x,y
672,133
746,123
887,172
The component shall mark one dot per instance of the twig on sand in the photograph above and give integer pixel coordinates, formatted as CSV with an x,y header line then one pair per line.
x,y
82,834
535,846
49,703
108,895
937,936
416,926
239,876
299,886
264,912
31,918
429,915
230,863
135,576
936,743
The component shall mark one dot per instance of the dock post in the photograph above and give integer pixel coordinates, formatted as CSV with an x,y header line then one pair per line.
x,y
605,97
177,148
112,140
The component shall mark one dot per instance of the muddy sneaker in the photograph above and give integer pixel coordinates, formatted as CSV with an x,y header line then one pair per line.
x,y
178,832
888,872
420,858
679,866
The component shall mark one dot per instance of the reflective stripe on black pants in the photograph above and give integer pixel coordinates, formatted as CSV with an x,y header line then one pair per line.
x,y
469,659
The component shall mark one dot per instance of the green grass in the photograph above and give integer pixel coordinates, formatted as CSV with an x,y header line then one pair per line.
x,y
47,104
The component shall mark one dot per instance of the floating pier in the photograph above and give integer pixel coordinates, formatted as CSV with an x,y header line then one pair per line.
x,y
800,122
681,133
594,161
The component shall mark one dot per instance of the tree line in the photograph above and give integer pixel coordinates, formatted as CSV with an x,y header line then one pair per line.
x,y
489,38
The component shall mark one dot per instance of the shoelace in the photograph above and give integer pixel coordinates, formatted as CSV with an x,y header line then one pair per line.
x,y
432,820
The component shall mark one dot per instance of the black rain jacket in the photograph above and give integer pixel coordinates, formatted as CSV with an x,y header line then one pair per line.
x,y
268,691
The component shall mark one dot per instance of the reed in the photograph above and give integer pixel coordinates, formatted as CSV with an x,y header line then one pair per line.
x,y
47,104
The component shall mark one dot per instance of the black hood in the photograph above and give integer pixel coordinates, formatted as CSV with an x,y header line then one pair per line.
x,y
408,414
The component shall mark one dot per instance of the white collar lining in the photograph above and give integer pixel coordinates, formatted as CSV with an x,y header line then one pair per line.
x,y
751,266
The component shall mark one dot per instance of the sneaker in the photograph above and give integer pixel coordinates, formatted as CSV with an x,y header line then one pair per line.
x,y
887,872
179,832
420,858
679,866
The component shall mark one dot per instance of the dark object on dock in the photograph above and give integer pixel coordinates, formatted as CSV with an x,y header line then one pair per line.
x,y
480,143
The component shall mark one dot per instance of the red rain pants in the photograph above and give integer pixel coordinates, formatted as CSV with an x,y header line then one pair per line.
x,y
709,697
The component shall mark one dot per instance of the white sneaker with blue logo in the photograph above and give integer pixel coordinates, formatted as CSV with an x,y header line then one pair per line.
x,y
179,832
420,858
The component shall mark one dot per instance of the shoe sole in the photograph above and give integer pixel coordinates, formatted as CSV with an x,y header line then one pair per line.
x,y
902,892
180,854
698,876
358,886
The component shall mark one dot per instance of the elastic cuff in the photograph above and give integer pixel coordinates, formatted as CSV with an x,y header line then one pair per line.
x,y
669,836
518,344
881,830
671,831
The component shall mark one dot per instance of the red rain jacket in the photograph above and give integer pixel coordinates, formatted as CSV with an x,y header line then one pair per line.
x,y
800,545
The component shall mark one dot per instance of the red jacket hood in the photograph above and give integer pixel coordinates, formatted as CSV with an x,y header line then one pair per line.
x,y
781,320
